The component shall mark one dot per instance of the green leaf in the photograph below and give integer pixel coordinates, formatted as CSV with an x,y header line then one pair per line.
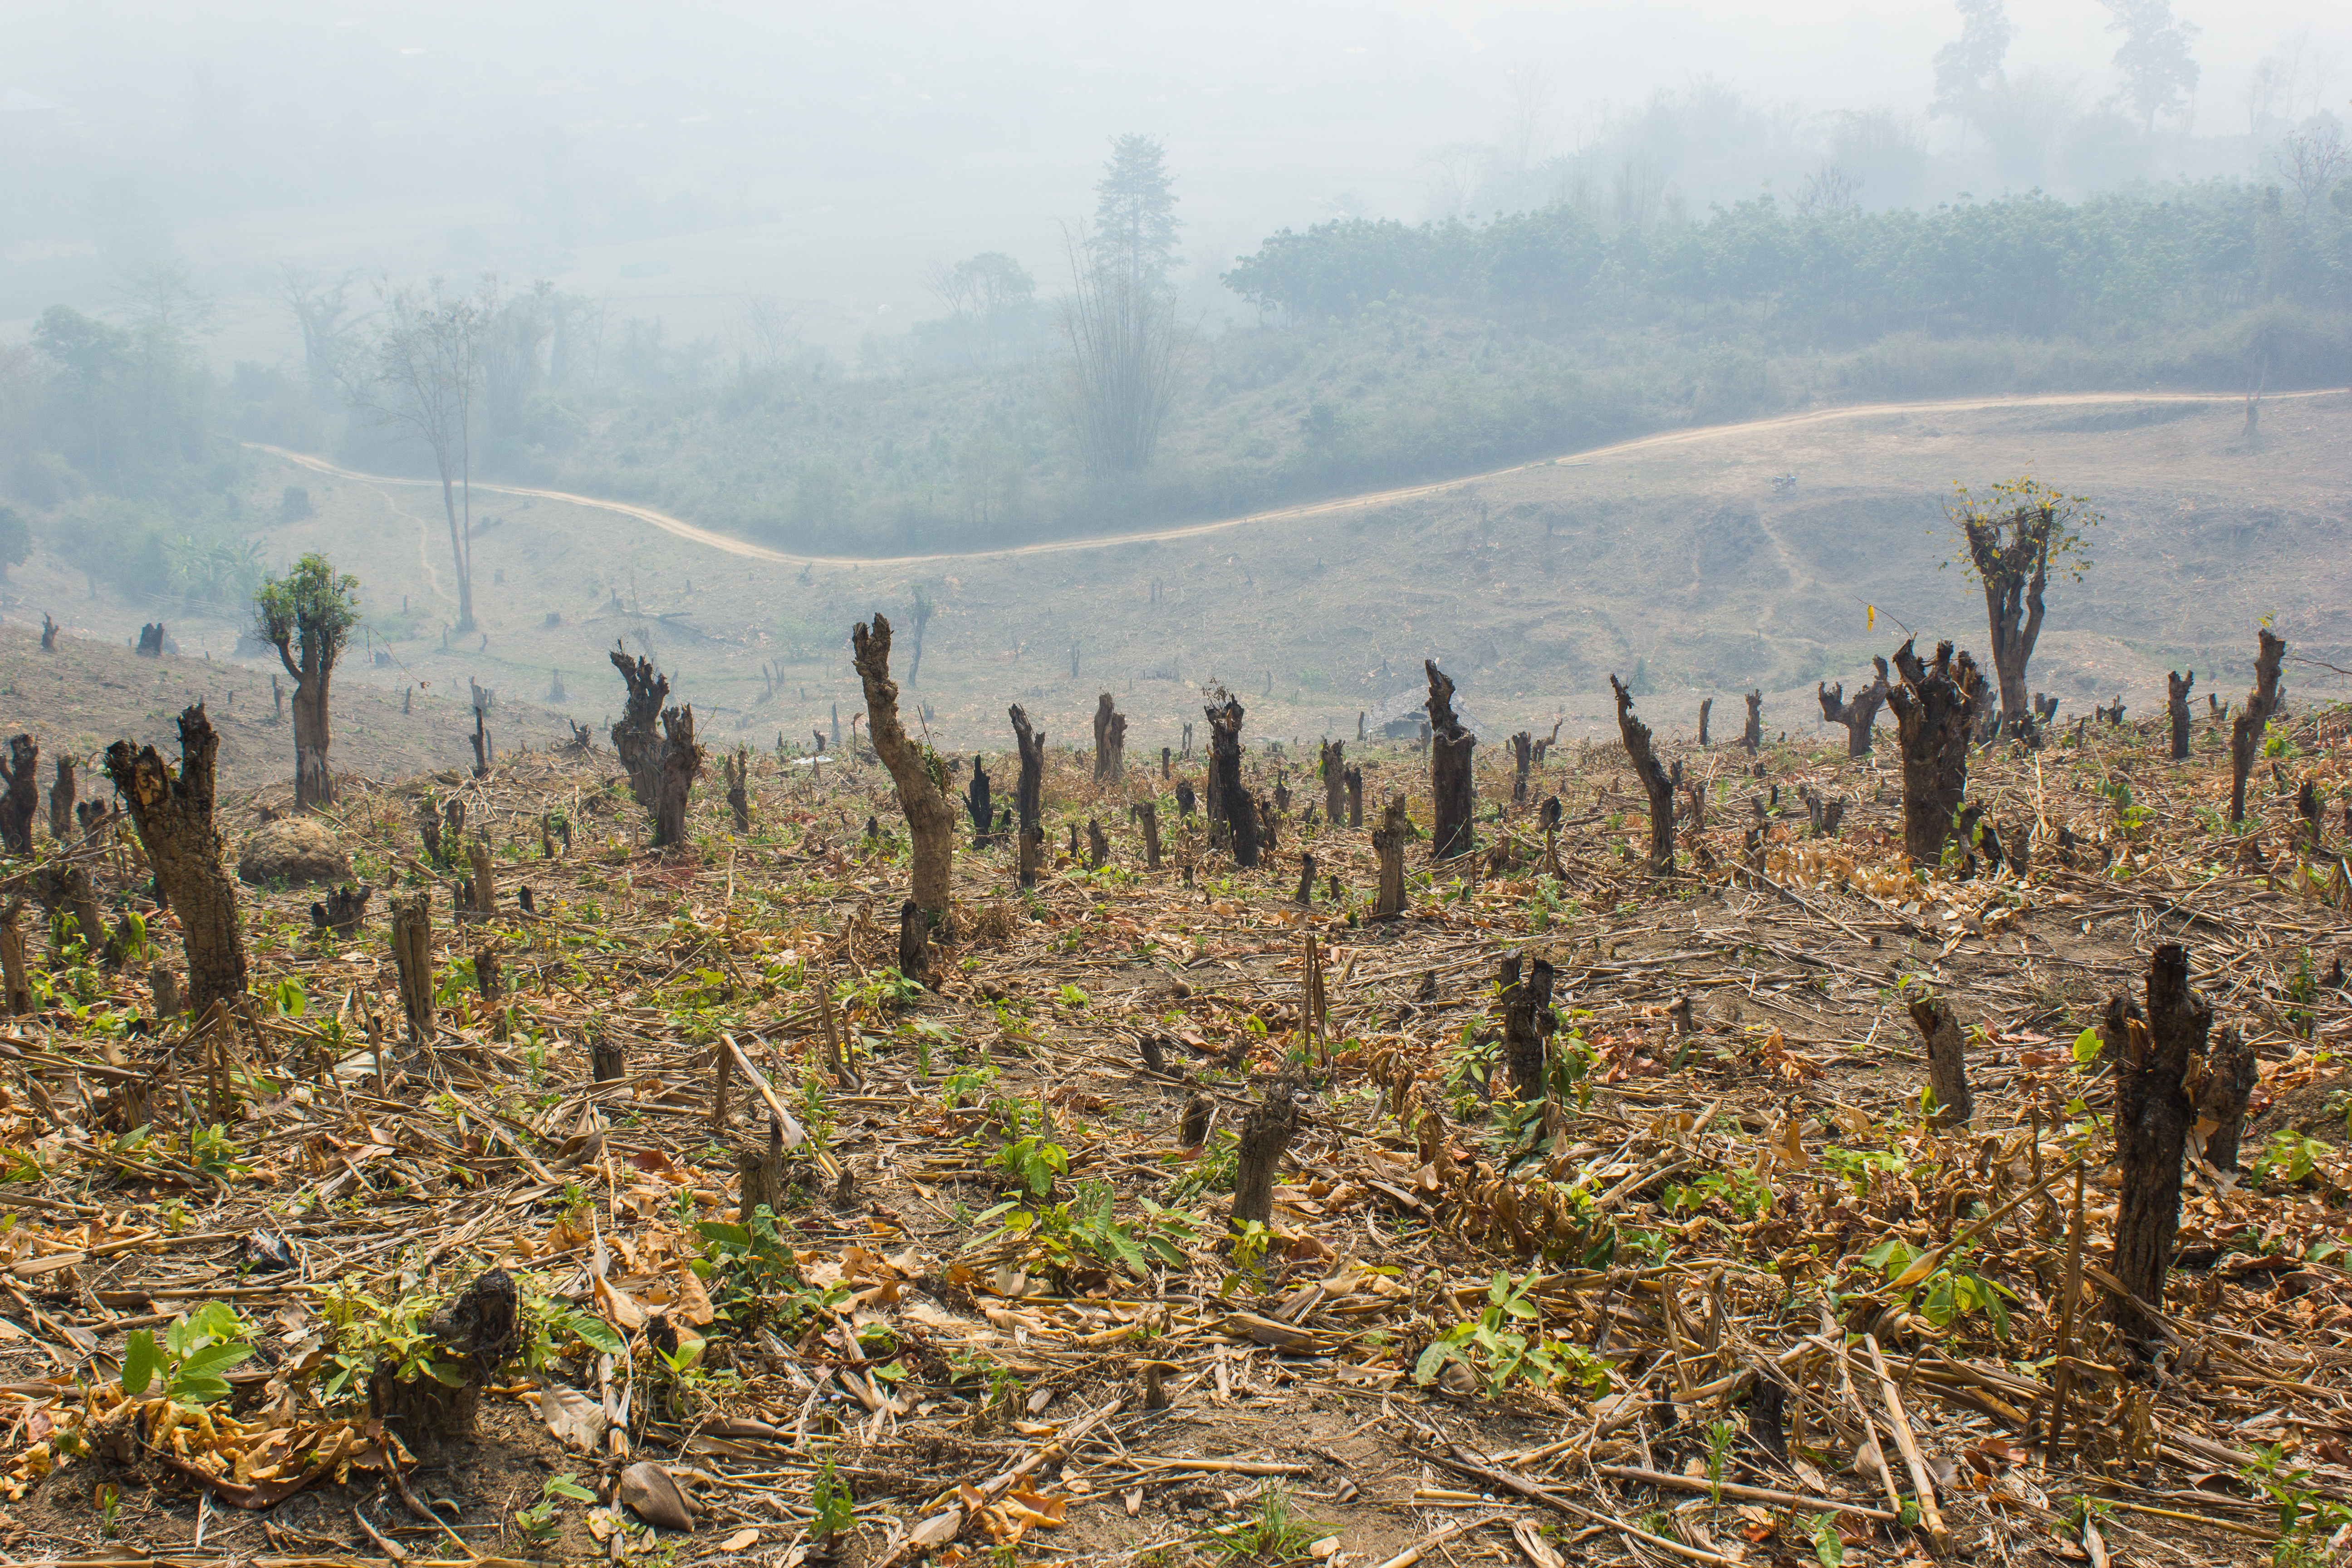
x,y
138,1363
1426,1370
213,1360
199,1390
2087,1046
594,1332
565,1485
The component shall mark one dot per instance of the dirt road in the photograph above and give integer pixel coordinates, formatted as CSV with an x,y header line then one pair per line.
x,y
733,546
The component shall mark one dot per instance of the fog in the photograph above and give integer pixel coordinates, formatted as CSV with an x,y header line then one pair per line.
x,y
678,161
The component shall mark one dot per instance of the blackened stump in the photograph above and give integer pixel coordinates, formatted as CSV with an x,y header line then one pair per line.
x,y
1388,842
2246,728
1656,783
1453,789
1858,715
1266,1136
1528,1024
2154,1116
1752,737
1227,802
1948,1064
1936,710
1030,791
173,815
2176,693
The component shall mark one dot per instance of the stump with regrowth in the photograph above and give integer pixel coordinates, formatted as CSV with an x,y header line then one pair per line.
x,y
476,1330
1453,789
2154,1114
1936,710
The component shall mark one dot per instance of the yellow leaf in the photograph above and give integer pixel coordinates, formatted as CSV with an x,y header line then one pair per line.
x,y
740,1540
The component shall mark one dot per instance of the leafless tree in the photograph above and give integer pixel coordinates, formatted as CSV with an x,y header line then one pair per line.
x,y
1828,191
1528,87
1124,341
2313,160
427,376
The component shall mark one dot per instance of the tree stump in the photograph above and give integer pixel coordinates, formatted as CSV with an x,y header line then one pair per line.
x,y
2246,728
1227,802
1858,715
1306,894
342,909
1947,1061
486,887
151,640
2176,693
1266,1136
1097,845
1030,793
174,817
1103,717
1752,737
481,1326
608,1058
20,807
738,769
1167,763
2154,1116
489,981
977,804
1185,799
759,1174
1935,709
481,744
1333,770
1706,707
1656,782
2223,1095
1355,798
162,988
14,980
1146,814
1388,842
412,955
48,634
1453,790
914,942
1549,816
1527,1026
61,802
1523,746
1192,1123
634,739
1030,855
681,764
67,891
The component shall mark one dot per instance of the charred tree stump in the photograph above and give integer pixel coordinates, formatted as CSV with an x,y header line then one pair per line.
x,y
2246,728
2176,693
1097,845
1031,792
1146,814
1185,799
66,893
1192,1123
1227,802
1103,718
2154,1116
20,807
1355,798
412,956
914,942
485,886
1388,842
739,778
681,764
151,640
1947,1061
1527,1026
1656,783
1858,715
1281,791
635,739
61,802
1752,737
174,817
1306,894
481,744
1071,852
1266,1136
2227,1089
1333,768
1549,817
481,1326
1030,853
608,1058
977,804
1453,789
1706,707
1267,822
1167,764
2307,807
1936,710
1523,746
48,634
162,989
343,911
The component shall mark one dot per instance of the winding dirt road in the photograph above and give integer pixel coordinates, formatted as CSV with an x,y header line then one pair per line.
x,y
1698,435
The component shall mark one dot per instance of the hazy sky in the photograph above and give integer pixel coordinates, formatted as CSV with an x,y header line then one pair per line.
x,y
677,157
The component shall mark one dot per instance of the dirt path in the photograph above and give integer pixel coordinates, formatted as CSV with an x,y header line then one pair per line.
x,y
733,546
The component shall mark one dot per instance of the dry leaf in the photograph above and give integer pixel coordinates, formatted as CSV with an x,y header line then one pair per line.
x,y
619,1308
740,1541
577,1421
692,1302
651,1491
1540,1552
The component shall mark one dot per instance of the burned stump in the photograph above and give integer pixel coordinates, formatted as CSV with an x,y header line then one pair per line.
x,y
1145,813
1355,799
2246,728
2176,694
1388,842
412,956
923,791
1333,768
1031,789
1947,1061
1227,802
20,807
1935,711
739,778
2154,1115
343,909
977,804
1857,715
2224,1094
1266,1136
61,802
1453,789
1656,782
480,1330
174,817
1523,747
1527,1026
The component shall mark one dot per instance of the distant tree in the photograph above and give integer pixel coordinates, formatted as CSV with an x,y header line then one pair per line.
x,y
2314,160
515,329
1969,70
990,300
323,312
15,540
1134,211
308,615
2158,74
426,377
2014,535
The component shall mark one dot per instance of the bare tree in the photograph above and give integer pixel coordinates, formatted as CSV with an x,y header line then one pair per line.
x,y
427,375
322,309
1529,89
2313,160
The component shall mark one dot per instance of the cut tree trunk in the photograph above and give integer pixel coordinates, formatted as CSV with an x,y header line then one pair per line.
x,y
1858,715
739,794
1266,1136
1528,1024
2246,728
636,741
759,1171
914,942
1936,710
1334,769
2223,1097
481,1326
412,956
1522,750
61,802
20,807
1388,842
485,880
1306,894
1167,764
343,911
1947,1061
608,1057
1031,791
1097,845
1656,782
174,817
1103,716
1453,790
1705,708
681,764
2176,691
2154,1116
977,804
923,794
1030,854
1227,802
1752,737
1355,798
1146,814
13,982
